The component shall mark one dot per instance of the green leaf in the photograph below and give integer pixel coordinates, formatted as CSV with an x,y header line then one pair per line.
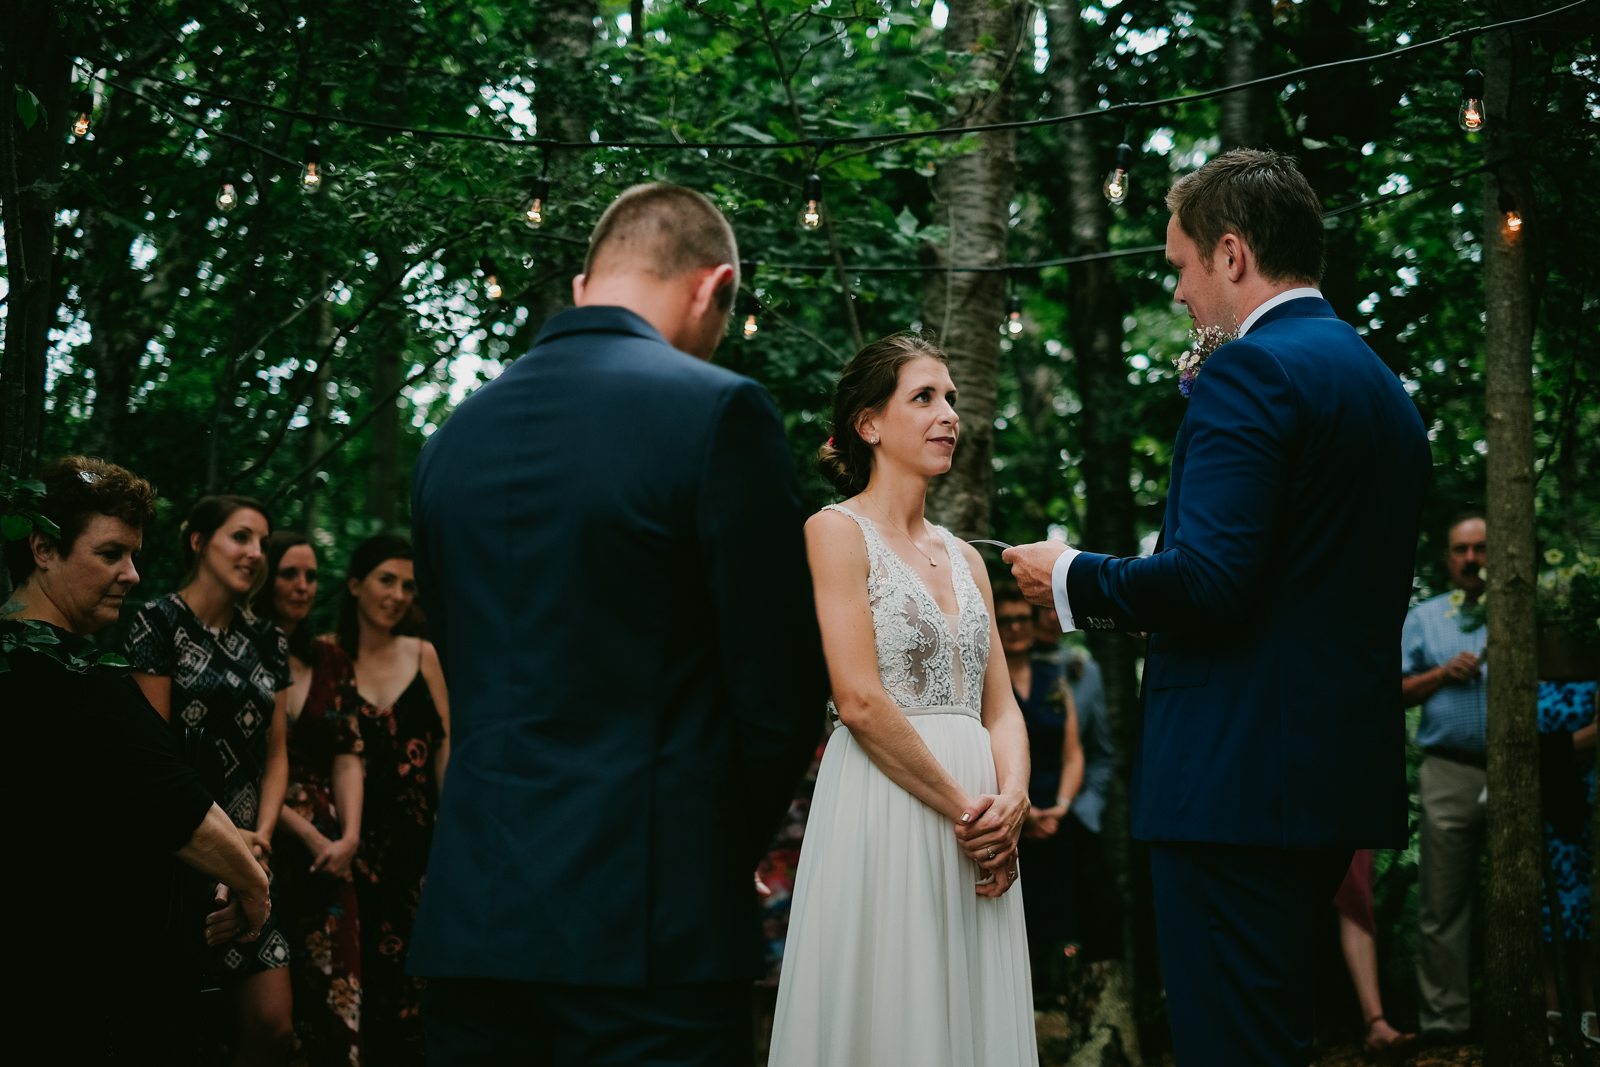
x,y
493,18
27,107
16,527
906,222
752,133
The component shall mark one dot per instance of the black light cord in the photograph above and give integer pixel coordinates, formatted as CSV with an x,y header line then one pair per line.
x,y
1125,109
1142,250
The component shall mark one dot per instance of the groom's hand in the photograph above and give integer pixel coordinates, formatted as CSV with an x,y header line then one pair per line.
x,y
1031,566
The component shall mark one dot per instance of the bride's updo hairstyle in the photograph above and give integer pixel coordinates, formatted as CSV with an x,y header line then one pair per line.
x,y
865,387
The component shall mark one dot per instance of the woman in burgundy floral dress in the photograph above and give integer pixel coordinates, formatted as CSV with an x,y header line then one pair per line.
x,y
405,727
320,825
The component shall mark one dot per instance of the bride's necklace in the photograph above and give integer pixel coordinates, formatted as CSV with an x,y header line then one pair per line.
x,y
902,533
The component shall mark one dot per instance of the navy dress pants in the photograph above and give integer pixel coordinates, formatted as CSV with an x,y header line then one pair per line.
x,y
486,1022
1237,931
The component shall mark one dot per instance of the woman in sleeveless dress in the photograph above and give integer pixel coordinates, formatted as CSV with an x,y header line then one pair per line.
x,y
905,944
319,827
405,734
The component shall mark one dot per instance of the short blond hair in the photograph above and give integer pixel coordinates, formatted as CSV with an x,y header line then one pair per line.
x,y
667,230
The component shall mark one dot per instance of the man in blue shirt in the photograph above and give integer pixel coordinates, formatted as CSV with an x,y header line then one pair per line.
x,y
1443,671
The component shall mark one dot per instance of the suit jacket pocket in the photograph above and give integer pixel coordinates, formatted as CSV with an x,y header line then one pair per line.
x,y
1177,670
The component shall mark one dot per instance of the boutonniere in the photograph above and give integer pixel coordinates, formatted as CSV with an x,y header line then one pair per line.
x,y
1203,340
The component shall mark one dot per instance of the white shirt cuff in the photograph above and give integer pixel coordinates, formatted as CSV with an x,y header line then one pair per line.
x,y
1058,586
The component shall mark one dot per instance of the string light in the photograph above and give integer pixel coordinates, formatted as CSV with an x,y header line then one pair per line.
x,y
227,196
1472,115
1508,208
1117,181
491,279
1014,327
811,193
534,215
750,327
84,106
311,173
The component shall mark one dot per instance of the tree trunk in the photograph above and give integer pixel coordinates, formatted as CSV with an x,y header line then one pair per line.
x,y
562,44
387,332
1245,114
317,415
36,59
1095,307
1514,1028
973,193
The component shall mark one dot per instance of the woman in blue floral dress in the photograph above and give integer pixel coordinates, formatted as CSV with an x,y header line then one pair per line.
x,y
1567,710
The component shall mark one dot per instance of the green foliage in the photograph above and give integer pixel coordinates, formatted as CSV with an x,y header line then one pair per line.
x,y
231,349
30,635
19,508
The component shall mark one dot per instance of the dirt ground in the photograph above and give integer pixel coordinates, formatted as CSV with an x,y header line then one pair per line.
x,y
1454,1056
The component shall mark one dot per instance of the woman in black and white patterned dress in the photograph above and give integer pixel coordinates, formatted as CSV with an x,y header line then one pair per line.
x,y
204,660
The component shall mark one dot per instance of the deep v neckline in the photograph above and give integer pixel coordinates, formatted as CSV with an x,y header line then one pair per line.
x,y
922,582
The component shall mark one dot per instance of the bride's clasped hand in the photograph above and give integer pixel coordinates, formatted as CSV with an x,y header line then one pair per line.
x,y
988,831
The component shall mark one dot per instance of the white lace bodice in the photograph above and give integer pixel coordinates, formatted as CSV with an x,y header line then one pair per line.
x,y
924,660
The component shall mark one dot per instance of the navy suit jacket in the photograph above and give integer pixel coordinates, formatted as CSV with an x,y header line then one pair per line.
x,y
610,550
1274,602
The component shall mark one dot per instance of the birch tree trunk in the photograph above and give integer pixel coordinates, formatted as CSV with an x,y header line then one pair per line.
x,y
1514,1025
973,193
1245,114
1095,309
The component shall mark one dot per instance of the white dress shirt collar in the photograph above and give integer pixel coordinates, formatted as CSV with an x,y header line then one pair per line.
x,y
1282,298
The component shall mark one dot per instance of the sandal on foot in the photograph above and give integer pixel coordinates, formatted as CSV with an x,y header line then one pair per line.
x,y
1389,1049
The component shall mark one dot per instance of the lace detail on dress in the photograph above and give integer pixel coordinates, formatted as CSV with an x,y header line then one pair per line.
x,y
922,664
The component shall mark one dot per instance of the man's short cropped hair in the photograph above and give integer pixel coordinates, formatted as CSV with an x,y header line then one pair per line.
x,y
666,229
1262,197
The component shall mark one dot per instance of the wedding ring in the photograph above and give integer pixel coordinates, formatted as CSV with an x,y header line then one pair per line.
x,y
992,853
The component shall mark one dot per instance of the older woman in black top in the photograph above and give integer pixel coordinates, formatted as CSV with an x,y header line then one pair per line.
x,y
107,974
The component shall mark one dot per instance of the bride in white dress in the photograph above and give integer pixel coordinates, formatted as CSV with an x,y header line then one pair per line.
x,y
905,945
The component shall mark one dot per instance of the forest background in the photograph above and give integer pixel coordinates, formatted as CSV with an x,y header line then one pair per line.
x,y
301,348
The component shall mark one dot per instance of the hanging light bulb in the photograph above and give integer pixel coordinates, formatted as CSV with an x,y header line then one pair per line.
x,y
1508,208
1014,327
750,327
534,214
811,193
227,196
83,104
1117,181
491,279
1472,116
311,172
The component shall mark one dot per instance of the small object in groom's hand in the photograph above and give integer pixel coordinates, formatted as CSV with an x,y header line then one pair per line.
x,y
985,541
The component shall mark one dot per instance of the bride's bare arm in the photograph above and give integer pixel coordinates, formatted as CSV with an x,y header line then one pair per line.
x,y
1000,825
839,566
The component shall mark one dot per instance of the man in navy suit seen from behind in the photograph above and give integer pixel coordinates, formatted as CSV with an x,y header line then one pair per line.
x,y
590,898
1273,740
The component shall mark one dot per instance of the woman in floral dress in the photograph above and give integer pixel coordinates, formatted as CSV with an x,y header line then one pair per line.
x,y
202,659
1567,712
320,825
405,728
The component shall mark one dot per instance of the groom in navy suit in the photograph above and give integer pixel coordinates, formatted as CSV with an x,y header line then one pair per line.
x,y
1273,741
590,895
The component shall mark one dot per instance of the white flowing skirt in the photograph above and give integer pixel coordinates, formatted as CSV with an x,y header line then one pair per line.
x,y
892,957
